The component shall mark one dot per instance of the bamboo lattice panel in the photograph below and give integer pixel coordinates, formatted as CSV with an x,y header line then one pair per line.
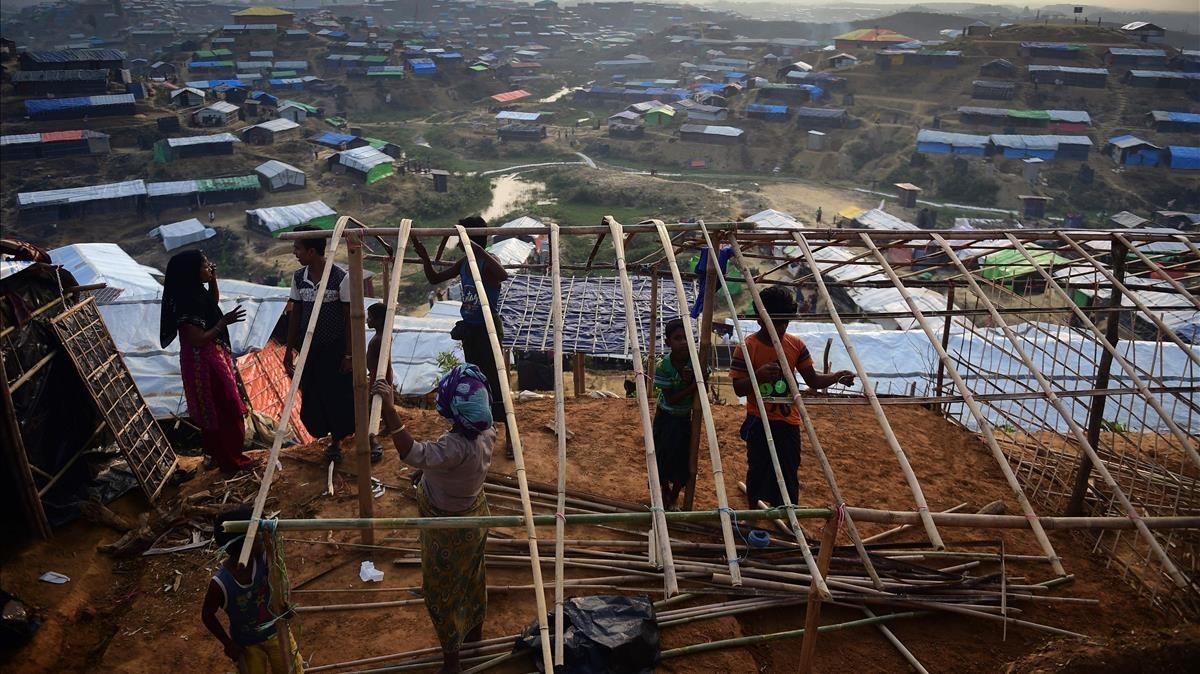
x,y
94,354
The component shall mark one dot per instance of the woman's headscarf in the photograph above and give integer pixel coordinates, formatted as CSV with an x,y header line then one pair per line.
x,y
185,299
463,397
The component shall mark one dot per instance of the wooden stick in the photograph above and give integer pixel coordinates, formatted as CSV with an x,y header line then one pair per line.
x,y
705,353
577,375
518,449
869,391
818,579
639,377
560,429
985,426
362,388
358,607
384,363
904,527
1154,266
260,500
812,616
805,419
710,427
279,601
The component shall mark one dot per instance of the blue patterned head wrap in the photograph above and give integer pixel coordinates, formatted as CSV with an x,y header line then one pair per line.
x,y
463,397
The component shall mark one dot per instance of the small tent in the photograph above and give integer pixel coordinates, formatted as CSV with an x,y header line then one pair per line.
x,y
276,175
182,233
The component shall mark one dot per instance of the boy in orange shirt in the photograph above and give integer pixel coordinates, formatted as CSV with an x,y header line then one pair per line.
x,y
784,418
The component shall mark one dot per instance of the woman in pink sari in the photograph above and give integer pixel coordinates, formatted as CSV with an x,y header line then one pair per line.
x,y
190,311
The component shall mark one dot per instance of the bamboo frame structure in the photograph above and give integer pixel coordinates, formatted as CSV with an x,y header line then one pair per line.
x,y
389,319
639,377
514,437
988,316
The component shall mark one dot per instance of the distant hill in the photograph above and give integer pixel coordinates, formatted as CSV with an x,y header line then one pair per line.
x,y
920,25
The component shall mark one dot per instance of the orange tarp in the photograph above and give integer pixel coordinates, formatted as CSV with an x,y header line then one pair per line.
x,y
267,385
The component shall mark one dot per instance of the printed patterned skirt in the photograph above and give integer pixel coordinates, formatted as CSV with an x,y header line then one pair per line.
x,y
452,573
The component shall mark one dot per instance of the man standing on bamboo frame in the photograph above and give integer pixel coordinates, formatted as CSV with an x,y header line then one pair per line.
x,y
783,417
472,329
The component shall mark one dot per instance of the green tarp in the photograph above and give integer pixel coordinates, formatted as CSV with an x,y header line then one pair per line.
x,y
249,182
378,58
1010,264
387,73
1029,114
284,73
379,172
303,106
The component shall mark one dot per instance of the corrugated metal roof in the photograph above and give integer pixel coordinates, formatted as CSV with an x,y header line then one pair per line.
x,y
1070,69
202,140
518,116
274,167
69,55
1125,51
1038,142
952,139
73,195
59,75
728,131
171,188
509,96
277,125
222,107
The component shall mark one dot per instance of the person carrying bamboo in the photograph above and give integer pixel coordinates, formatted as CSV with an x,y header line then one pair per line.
x,y
327,385
454,467
676,384
783,417
472,329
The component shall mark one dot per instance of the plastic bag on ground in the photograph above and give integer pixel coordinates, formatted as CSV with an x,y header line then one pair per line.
x,y
602,634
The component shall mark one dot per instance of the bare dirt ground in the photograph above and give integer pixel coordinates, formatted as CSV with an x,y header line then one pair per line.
x,y
802,200
115,616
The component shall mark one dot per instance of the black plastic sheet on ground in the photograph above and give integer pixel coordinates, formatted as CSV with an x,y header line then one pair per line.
x,y
602,634
593,313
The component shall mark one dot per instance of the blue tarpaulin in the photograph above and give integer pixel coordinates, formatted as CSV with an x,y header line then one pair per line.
x,y
942,142
332,139
37,107
1184,157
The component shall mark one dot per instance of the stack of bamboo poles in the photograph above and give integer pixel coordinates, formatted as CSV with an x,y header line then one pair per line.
x,y
967,581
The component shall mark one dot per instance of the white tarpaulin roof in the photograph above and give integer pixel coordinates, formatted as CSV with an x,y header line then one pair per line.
x,y
75,195
279,174
133,318
363,158
203,140
178,234
416,344
774,219
276,218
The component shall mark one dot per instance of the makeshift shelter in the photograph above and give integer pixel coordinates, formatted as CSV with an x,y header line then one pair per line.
x,y
277,176
1164,79
1046,147
1144,31
366,162
82,106
170,149
770,113
809,118
76,202
53,144
187,97
1053,50
998,91
1069,76
217,114
1123,56
522,132
71,429
271,131
1174,122
702,133
1130,150
182,233
338,141
869,38
660,116
276,219
998,68
60,82
1183,158
943,142
110,60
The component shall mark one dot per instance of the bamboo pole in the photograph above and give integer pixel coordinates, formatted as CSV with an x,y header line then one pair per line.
x,y
577,376
895,641
1126,366
869,391
955,520
798,400
517,447
789,507
904,527
358,607
812,616
389,318
790,634
1081,437
705,353
985,427
710,428
362,388
639,374
260,500
560,429
1154,266
279,597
